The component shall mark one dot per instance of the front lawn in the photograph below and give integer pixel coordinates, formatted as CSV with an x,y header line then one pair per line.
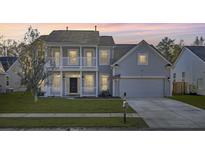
x,y
23,103
198,101
71,122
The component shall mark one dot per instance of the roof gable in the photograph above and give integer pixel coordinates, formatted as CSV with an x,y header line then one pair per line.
x,y
106,41
198,51
143,42
7,62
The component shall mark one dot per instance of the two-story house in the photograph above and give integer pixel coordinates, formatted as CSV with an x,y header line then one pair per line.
x,y
87,64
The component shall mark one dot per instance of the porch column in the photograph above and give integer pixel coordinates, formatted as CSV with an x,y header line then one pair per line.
x,y
96,56
96,89
61,83
80,58
81,84
61,57
113,82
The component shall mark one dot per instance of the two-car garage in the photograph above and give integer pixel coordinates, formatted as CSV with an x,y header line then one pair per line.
x,y
142,87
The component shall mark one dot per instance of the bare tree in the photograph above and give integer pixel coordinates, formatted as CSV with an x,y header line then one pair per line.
x,y
33,62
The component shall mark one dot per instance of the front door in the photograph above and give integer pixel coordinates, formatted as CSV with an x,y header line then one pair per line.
x,y
73,85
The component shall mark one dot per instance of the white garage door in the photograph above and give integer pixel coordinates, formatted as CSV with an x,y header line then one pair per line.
x,y
142,87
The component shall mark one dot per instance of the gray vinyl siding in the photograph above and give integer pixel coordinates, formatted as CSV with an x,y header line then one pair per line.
x,y
105,69
137,87
193,67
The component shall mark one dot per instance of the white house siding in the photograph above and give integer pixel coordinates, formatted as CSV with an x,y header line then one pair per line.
x,y
14,78
193,67
2,83
147,80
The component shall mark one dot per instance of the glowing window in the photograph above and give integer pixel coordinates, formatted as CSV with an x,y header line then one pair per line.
x,y
73,55
89,82
104,82
104,57
142,59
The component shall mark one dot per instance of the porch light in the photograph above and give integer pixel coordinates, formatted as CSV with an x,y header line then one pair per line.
x,y
168,66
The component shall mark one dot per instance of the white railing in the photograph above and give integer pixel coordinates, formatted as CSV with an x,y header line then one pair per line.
x,y
86,62
88,91
89,61
52,62
67,61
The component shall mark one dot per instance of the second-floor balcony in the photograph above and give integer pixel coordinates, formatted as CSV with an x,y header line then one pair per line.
x,y
67,62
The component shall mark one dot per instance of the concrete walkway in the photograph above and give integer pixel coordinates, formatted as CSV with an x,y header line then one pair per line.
x,y
64,115
163,113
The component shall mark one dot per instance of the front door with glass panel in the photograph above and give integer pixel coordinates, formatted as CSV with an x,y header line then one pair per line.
x,y
73,85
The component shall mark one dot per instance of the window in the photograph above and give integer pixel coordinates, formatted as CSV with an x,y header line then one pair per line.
x,y
142,59
104,57
56,83
183,76
73,56
56,56
89,57
104,82
7,80
200,83
89,82
174,77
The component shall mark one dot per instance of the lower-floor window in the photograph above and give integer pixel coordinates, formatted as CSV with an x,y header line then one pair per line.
x,y
200,83
89,82
104,82
56,82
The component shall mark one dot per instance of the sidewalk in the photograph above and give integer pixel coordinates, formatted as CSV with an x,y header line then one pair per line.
x,y
64,115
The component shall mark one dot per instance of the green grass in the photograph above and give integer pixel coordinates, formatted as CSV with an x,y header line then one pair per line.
x,y
198,101
24,103
71,122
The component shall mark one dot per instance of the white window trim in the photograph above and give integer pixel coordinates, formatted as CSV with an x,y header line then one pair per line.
x,y
100,63
142,53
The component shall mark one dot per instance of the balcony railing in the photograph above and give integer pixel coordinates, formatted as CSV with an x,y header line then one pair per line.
x,y
84,62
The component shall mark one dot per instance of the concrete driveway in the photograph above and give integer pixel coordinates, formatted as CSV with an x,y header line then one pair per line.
x,y
163,113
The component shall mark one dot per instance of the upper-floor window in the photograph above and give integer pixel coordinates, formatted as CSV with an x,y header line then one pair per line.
x,y
200,83
142,59
183,76
104,57
55,56
73,56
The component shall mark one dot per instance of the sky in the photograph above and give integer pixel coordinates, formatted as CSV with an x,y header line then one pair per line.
x,y
121,32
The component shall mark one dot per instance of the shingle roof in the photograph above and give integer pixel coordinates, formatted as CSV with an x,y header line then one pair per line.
x,y
74,36
120,50
198,50
7,62
106,41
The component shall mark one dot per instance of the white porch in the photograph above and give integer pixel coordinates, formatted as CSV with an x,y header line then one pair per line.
x,y
76,83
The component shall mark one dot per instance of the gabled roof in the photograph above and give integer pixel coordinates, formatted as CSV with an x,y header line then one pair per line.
x,y
120,50
7,62
73,36
106,41
198,50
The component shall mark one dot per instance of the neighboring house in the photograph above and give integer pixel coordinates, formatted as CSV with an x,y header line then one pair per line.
x,y
83,63
190,68
9,78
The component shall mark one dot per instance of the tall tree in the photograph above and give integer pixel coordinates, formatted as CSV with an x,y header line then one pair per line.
x,y
31,35
201,41
166,46
32,61
198,41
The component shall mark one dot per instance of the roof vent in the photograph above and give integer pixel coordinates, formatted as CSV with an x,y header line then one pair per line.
x,y
66,27
95,28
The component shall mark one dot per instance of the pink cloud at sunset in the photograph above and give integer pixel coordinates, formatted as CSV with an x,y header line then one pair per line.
x,y
122,32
